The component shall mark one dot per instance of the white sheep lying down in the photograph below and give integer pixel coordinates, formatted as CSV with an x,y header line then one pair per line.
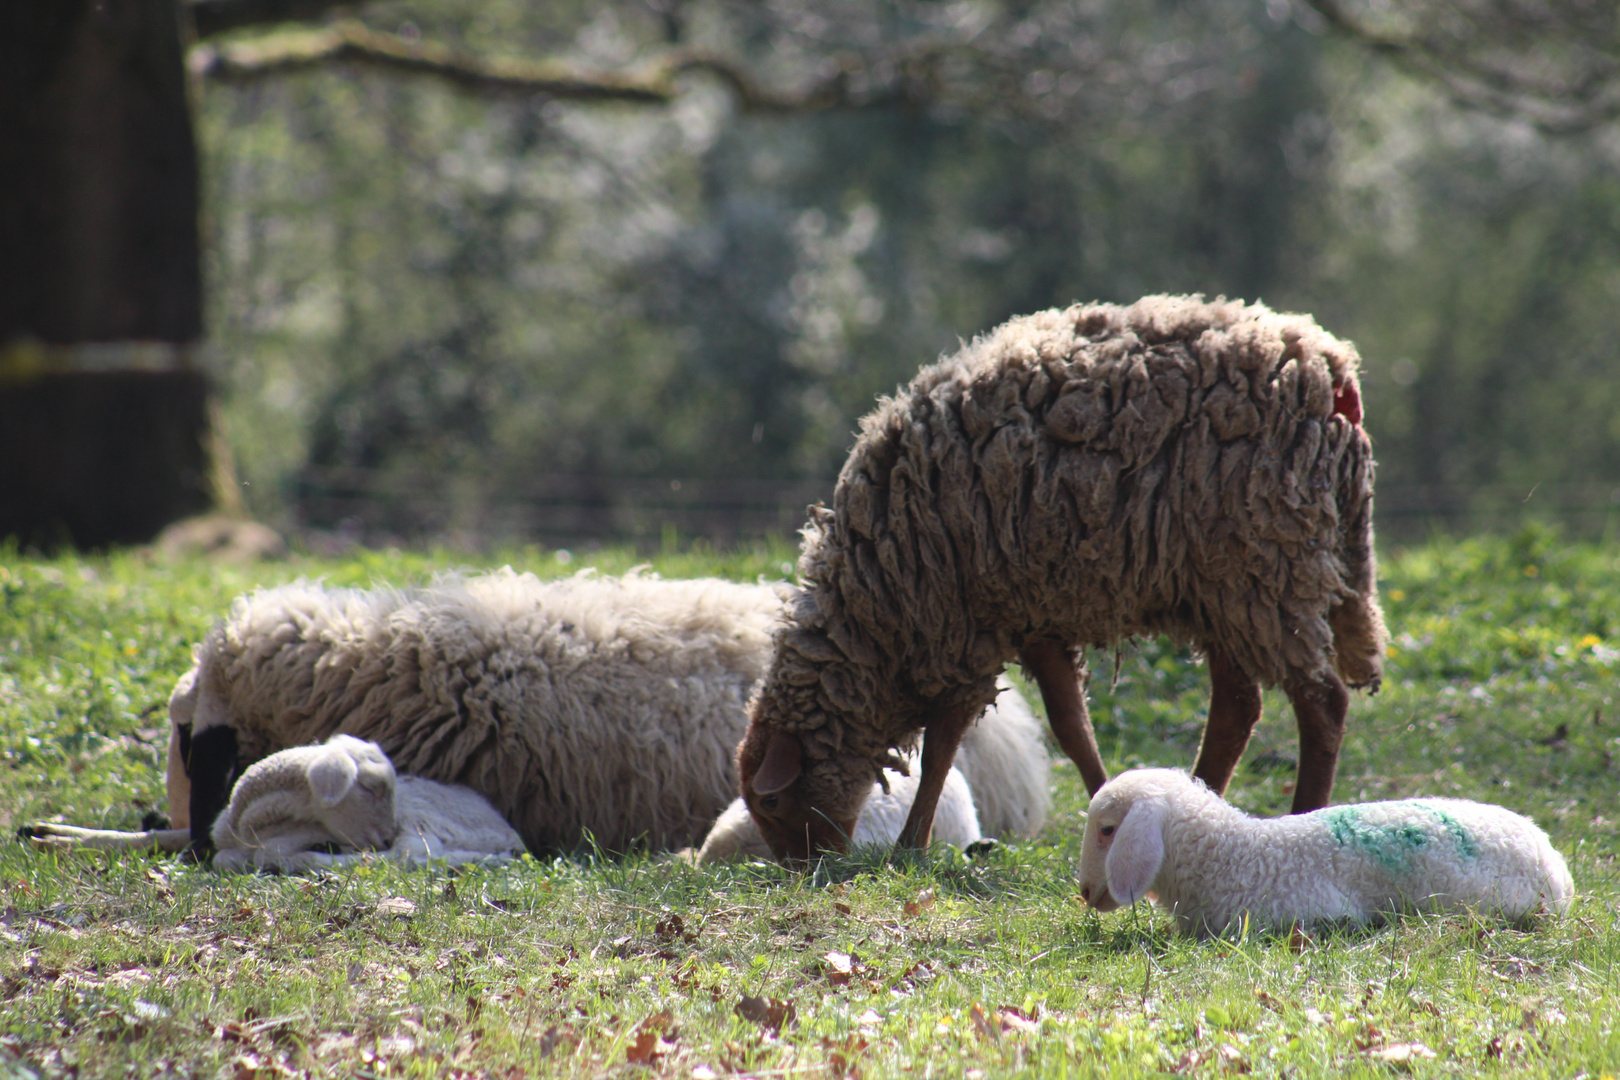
x,y
1213,866
1001,785
590,706
342,794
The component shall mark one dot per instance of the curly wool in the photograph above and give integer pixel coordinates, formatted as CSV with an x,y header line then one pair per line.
x,y
1215,867
1085,475
591,706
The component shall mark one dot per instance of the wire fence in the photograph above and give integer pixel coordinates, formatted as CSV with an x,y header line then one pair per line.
x,y
377,507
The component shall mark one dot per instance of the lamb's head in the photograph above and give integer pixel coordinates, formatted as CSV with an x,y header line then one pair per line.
x,y
1124,842
803,806
352,786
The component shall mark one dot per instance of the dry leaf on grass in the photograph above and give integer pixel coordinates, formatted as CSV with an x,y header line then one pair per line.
x,y
673,928
1006,1020
396,907
924,901
555,1036
255,1066
840,967
843,1056
1013,1020
1402,1053
982,1024
772,1014
648,1045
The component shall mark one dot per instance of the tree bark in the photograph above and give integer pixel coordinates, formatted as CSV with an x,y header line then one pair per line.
x,y
98,174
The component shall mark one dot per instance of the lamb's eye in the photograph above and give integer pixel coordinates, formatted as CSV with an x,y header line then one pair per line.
x,y
768,802
1107,830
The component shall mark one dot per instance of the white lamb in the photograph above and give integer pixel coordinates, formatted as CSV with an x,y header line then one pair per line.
x,y
342,794
735,836
1212,865
1001,784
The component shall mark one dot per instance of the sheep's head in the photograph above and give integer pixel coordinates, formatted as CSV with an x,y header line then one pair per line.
x,y
353,784
801,811
1124,842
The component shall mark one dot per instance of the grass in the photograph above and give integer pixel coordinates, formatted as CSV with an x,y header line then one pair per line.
x,y
1502,686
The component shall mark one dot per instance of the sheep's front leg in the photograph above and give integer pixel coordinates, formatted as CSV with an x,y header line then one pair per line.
x,y
1321,708
940,739
1234,710
212,765
1062,685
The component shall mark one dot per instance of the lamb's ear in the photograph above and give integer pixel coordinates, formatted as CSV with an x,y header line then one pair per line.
x,y
332,775
1137,852
784,760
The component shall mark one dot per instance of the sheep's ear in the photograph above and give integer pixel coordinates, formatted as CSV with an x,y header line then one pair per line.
x,y
331,776
784,760
1137,852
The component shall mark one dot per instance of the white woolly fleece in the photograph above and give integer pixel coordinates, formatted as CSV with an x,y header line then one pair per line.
x,y
591,705
342,794
1011,797
1211,865
736,836
345,793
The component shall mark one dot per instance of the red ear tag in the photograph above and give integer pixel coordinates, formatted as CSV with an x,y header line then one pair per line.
x,y
1347,402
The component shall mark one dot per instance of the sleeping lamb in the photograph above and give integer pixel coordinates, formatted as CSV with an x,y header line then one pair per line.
x,y
341,794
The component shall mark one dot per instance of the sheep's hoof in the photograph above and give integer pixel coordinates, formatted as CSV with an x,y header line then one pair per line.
x,y
981,848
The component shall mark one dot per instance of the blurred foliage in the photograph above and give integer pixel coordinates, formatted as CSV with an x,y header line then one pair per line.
x,y
412,280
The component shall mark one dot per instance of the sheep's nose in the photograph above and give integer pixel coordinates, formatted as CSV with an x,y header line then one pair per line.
x,y
1085,893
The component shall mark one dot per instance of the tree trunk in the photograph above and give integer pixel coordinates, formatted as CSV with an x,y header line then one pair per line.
x,y
94,459
98,174
98,243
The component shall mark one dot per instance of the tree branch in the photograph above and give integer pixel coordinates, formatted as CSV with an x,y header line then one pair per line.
x,y
353,42
210,17
1558,74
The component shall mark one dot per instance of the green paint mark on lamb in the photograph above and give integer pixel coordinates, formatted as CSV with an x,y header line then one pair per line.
x,y
1392,844
1467,847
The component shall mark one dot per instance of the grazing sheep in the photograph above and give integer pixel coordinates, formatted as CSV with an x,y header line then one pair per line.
x,y
1012,797
1214,866
344,794
591,706
1072,479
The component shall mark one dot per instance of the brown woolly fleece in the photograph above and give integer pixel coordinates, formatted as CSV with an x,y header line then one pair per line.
x,y
1179,467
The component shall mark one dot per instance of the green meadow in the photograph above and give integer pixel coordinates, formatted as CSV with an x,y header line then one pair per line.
x,y
1501,686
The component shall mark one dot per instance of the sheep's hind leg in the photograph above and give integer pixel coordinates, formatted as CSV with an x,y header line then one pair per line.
x,y
940,740
1062,685
1321,708
47,836
1234,710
